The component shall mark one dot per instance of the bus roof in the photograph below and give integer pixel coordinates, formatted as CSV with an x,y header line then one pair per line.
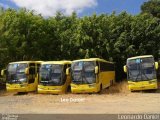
x,y
26,62
57,62
92,59
143,56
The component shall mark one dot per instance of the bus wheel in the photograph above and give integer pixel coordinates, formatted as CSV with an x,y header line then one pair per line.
x,y
111,82
100,91
68,88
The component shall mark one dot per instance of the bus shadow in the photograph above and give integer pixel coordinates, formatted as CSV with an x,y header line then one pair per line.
x,y
150,91
20,93
2,86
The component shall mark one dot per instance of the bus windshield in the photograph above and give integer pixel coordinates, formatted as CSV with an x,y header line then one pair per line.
x,y
83,72
16,73
51,74
141,69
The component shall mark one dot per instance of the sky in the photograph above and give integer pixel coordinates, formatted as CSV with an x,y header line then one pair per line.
x,y
49,8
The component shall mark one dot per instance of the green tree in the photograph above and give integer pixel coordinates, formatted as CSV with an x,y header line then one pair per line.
x,y
152,7
25,35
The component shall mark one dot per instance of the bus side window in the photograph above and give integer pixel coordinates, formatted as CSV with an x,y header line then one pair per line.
x,y
110,67
32,72
102,66
106,66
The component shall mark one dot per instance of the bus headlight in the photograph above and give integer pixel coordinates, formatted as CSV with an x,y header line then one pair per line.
x,y
150,82
73,86
130,83
92,85
40,88
56,88
23,85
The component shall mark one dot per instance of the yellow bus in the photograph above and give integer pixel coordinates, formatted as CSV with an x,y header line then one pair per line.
x,y
91,75
54,77
158,71
21,76
141,73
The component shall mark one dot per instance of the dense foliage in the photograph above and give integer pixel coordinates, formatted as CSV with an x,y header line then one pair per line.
x,y
152,7
26,36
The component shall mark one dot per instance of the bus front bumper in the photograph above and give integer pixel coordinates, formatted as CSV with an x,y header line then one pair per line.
x,y
50,89
86,88
143,85
16,88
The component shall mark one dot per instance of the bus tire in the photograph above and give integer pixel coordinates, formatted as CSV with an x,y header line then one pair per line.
x,y
111,82
68,88
100,91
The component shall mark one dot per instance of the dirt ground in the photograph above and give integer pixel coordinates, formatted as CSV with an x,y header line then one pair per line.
x,y
116,99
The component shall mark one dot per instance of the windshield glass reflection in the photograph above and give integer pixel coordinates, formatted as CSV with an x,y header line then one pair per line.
x,y
141,69
16,73
83,72
51,74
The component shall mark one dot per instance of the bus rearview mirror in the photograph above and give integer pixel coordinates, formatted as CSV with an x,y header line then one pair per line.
x,y
96,70
27,71
3,72
125,68
67,71
156,65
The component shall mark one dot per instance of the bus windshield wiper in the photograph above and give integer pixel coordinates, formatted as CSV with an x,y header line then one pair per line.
x,y
145,75
139,72
137,76
79,80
